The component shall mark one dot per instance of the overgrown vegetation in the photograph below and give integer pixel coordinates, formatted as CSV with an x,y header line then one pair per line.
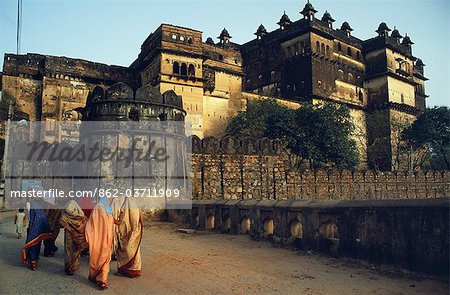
x,y
316,135
427,140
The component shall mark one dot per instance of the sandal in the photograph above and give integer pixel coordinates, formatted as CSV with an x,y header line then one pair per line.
x,y
69,272
32,265
102,286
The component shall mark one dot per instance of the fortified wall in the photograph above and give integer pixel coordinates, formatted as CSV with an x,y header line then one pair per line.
x,y
45,87
245,187
410,234
231,169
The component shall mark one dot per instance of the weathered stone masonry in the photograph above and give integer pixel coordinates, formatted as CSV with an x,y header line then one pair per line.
x,y
44,87
306,59
245,186
412,234
230,169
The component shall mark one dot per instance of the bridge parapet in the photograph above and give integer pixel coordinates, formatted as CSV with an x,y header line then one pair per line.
x,y
411,234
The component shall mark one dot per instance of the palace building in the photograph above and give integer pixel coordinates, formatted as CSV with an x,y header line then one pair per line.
x,y
305,59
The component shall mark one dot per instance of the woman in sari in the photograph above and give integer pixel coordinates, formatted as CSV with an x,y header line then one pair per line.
x,y
53,216
38,231
99,236
87,206
116,205
129,237
74,223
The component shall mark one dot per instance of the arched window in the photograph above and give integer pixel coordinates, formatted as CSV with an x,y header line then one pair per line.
x,y
327,51
302,45
349,51
329,230
245,225
183,69
322,49
341,75
176,68
350,78
189,40
133,115
361,96
317,47
339,47
296,228
358,55
210,222
268,226
191,70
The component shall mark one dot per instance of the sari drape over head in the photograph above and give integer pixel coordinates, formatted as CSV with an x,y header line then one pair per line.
x,y
86,205
99,236
38,230
74,223
129,237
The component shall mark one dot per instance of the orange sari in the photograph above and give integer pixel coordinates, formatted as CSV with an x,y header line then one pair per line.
x,y
129,237
99,235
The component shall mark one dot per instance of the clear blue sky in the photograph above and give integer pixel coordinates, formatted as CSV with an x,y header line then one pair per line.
x,y
112,31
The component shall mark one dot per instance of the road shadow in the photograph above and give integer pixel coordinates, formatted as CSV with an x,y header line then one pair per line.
x,y
10,235
83,280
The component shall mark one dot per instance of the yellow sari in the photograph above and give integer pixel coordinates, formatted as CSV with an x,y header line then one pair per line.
x,y
129,237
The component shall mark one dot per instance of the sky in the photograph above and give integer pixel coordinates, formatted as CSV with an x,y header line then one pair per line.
x,y
112,32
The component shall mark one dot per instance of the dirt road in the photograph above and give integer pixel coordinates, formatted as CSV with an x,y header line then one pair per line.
x,y
204,263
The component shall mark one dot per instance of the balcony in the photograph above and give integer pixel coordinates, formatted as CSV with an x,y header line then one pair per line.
x,y
402,72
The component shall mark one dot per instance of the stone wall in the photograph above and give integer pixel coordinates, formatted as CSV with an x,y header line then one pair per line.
x,y
411,234
235,170
45,87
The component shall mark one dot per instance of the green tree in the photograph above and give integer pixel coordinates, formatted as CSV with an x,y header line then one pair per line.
x,y
254,121
318,134
430,133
